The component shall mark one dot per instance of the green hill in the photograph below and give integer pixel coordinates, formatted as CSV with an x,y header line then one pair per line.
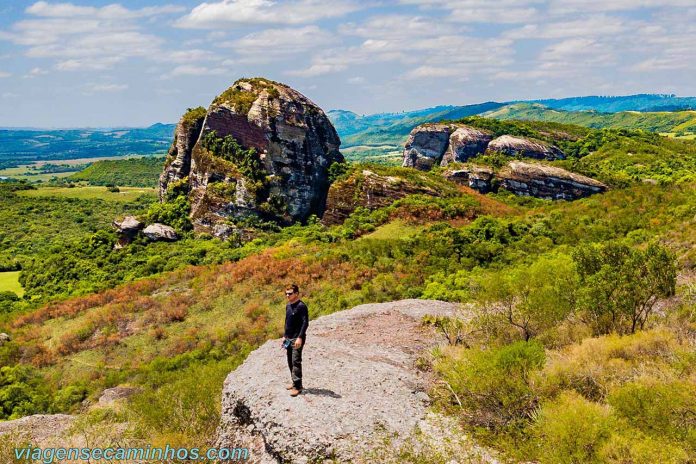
x,y
677,122
133,172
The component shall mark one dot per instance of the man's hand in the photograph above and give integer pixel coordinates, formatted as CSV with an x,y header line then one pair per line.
x,y
298,343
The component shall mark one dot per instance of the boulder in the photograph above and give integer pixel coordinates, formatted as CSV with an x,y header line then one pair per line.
x,y
426,145
4,338
111,395
464,143
511,146
127,229
160,232
274,164
479,178
361,385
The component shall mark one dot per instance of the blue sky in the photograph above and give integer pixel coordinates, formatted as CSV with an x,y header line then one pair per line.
x,y
133,63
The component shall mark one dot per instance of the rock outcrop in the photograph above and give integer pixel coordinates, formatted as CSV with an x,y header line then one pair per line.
x,y
527,148
178,162
360,379
4,338
369,190
160,232
261,149
464,143
426,145
432,144
127,229
528,179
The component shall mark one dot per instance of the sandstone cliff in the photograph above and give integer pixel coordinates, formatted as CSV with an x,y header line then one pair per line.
x,y
537,180
432,144
261,149
360,386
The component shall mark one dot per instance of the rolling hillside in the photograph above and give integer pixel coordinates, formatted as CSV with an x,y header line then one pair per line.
x,y
677,122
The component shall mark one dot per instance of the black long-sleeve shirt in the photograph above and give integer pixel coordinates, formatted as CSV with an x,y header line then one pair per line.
x,y
296,320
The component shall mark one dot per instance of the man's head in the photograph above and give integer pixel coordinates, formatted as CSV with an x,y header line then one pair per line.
x,y
292,293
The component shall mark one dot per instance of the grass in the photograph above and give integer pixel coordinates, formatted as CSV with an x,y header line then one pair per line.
x,y
9,281
90,193
395,229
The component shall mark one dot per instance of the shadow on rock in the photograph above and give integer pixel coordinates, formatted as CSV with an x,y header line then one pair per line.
x,y
320,392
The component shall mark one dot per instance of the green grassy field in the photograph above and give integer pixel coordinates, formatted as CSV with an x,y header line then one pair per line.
x,y
89,193
22,172
9,281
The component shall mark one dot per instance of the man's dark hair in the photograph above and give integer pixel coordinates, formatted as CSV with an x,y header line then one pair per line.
x,y
293,287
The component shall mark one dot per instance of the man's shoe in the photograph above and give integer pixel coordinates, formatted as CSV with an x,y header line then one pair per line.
x,y
290,387
295,391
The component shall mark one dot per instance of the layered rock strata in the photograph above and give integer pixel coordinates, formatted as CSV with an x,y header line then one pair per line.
x,y
528,179
260,149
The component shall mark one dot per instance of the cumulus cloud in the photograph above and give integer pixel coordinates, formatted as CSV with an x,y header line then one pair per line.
x,y
235,12
271,44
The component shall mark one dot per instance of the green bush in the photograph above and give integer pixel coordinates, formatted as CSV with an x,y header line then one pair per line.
x,y
658,408
492,386
621,285
172,213
22,392
572,430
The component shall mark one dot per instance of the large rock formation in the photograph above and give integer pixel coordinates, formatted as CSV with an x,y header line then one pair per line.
x,y
512,146
367,189
432,144
528,179
426,144
464,143
261,149
361,385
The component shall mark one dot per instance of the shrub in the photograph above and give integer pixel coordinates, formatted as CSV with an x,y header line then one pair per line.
x,y
658,408
620,285
174,213
572,430
631,447
531,299
492,386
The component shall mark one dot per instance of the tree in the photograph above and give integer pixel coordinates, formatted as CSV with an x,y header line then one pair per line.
x,y
620,285
530,298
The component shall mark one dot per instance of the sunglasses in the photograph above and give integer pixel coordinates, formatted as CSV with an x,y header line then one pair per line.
x,y
288,293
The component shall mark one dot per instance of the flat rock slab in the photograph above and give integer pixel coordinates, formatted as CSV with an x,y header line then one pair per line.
x,y
39,427
360,379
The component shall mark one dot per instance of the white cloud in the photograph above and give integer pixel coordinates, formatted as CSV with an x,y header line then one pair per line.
x,y
431,72
35,72
4,74
91,89
270,44
88,64
483,11
192,70
589,26
230,12
113,11
317,69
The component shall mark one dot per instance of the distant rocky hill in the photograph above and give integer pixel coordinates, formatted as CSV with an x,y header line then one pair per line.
x,y
260,149
448,144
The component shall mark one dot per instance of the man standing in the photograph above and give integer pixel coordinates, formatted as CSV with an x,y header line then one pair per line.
x,y
296,323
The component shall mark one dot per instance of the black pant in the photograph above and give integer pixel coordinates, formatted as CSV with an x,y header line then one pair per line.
x,y
295,365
